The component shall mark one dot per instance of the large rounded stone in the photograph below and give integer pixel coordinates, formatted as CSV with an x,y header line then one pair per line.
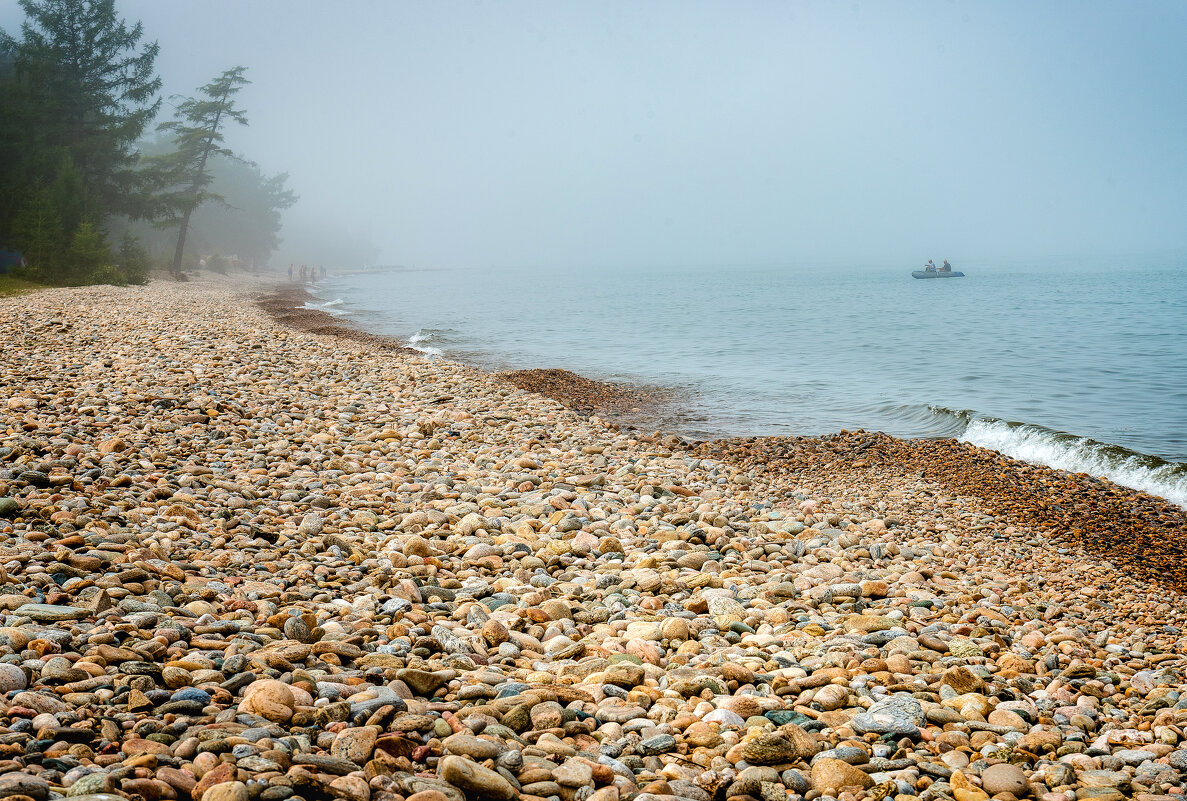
x,y
573,773
350,788
422,682
1004,778
624,674
776,749
495,633
469,746
12,678
14,784
899,714
221,774
965,790
269,699
227,791
829,776
356,744
474,779
962,679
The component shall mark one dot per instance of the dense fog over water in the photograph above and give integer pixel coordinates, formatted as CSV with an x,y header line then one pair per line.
x,y
577,136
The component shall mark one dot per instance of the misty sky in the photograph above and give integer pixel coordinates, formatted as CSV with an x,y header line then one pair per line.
x,y
676,133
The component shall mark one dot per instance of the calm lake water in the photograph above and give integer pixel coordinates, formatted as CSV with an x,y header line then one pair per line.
x,y
1081,366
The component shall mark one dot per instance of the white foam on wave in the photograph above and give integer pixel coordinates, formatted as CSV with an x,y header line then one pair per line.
x,y
1040,446
330,307
418,343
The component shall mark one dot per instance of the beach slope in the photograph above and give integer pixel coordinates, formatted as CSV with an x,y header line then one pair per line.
x,y
242,560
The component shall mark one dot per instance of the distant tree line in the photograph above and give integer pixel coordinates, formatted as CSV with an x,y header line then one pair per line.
x,y
82,193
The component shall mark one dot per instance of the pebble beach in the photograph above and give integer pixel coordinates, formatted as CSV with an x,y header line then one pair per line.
x,y
246,554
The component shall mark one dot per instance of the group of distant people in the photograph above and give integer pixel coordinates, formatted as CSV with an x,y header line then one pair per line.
x,y
930,267
307,273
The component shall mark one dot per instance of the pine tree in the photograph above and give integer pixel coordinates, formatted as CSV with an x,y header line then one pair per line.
x,y
88,260
37,231
248,223
91,91
133,260
198,135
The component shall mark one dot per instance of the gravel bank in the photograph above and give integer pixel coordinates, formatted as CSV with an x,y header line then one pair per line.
x,y
245,561
1140,533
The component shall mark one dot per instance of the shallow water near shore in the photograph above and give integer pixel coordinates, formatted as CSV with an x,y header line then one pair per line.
x,y
1077,365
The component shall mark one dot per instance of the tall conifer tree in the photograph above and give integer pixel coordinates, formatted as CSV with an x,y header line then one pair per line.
x,y
91,91
197,135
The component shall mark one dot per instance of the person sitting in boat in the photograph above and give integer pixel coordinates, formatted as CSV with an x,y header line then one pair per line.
x,y
930,266
947,268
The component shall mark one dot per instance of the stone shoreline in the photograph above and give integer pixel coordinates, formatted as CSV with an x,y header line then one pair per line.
x,y
242,560
619,403
1132,529
286,303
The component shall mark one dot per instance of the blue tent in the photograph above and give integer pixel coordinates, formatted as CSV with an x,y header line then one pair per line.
x,y
10,258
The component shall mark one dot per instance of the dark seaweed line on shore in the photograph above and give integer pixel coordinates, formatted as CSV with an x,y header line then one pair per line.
x,y
1112,522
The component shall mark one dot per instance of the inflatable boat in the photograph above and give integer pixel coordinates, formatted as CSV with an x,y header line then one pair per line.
x,y
936,274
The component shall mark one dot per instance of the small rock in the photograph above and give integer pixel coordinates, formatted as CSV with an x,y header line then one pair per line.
x,y
624,674
422,682
310,526
962,679
965,790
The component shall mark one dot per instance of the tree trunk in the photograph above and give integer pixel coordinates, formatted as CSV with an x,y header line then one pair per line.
x,y
185,220
185,225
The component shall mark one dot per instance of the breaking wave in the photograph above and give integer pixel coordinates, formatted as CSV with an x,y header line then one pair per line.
x,y
421,341
1044,446
333,307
